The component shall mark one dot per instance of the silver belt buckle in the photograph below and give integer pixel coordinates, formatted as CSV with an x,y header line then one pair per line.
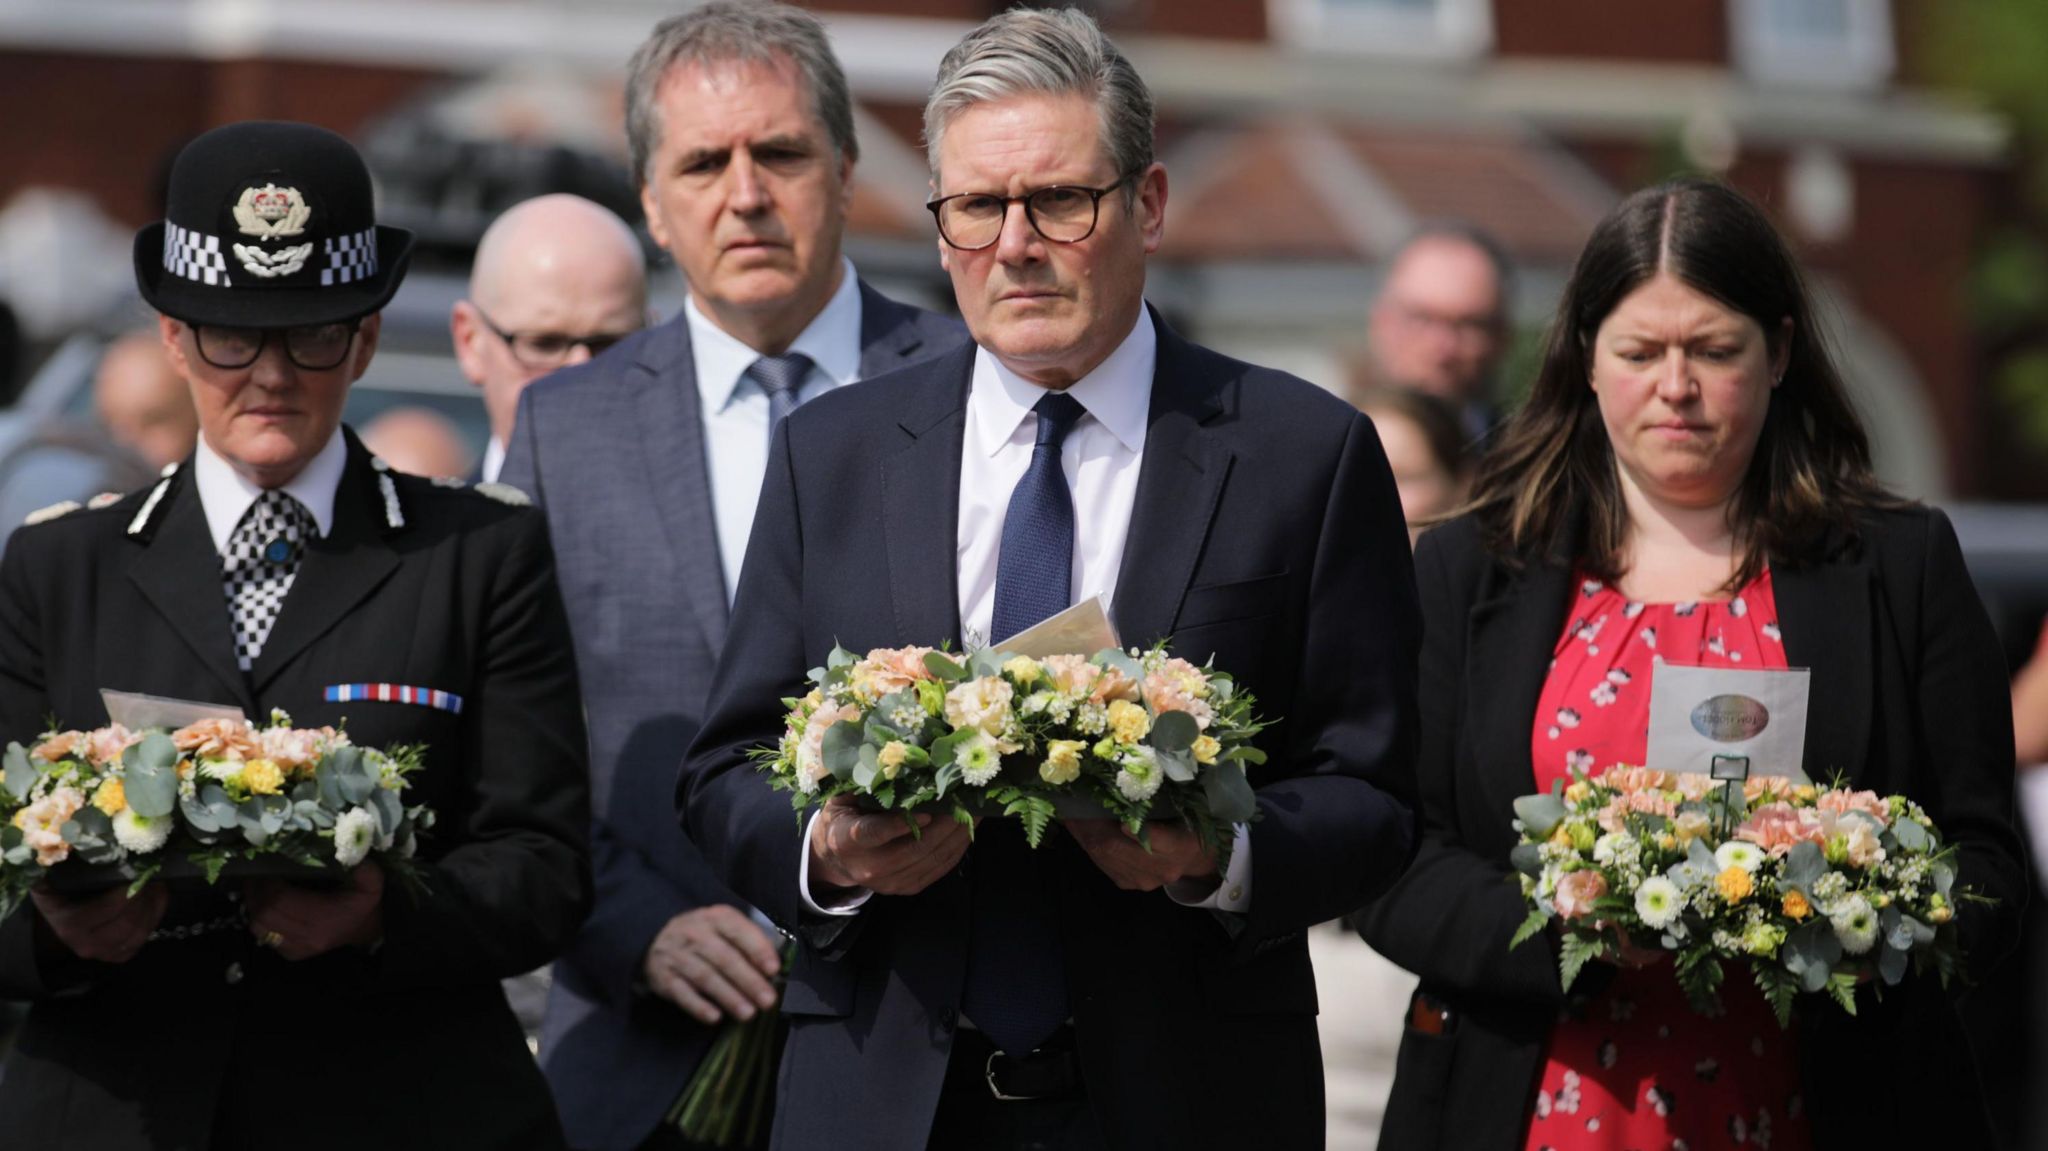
x,y
989,1071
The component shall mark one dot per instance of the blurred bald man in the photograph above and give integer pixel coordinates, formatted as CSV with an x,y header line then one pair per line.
x,y
1440,324
557,279
143,404
418,441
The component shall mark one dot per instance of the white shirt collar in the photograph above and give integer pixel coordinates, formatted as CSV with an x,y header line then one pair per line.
x,y
832,341
1118,393
226,494
494,461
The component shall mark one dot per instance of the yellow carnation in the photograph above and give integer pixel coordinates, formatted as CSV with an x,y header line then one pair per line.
x,y
1206,749
1062,761
262,777
1795,906
1576,794
1734,884
1023,669
111,797
891,758
1128,721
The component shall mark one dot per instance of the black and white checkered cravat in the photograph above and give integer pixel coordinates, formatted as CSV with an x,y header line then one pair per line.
x,y
257,572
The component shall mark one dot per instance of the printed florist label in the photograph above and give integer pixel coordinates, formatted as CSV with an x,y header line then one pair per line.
x,y
1731,718
1698,713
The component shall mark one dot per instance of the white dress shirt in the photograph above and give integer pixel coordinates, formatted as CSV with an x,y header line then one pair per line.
x,y
494,460
226,494
736,409
1101,456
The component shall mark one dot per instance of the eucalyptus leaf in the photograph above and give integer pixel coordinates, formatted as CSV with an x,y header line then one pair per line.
x,y
868,766
1179,766
384,802
155,750
197,815
840,657
1891,966
1230,796
882,723
10,837
152,789
1923,933
1174,731
944,666
942,748
1246,753
93,822
945,778
1540,814
1526,858
1892,927
1811,952
986,662
19,775
1120,661
1804,866
1944,876
1912,836
841,749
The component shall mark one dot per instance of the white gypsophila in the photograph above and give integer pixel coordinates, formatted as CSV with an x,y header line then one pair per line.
x,y
354,834
141,834
1830,887
188,789
1659,902
1855,924
1739,853
1091,718
1037,702
1608,849
1060,709
1725,940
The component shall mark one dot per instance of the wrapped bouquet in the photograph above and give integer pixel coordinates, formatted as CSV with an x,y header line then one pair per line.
x,y
1131,736
1814,889
96,808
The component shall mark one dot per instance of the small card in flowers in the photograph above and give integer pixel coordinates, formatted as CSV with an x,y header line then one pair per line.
x,y
1083,627
138,712
1697,713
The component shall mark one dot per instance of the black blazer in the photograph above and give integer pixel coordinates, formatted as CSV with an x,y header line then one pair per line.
x,y
613,451
1909,696
202,1042
1266,531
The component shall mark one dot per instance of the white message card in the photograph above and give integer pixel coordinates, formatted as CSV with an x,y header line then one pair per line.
x,y
136,711
1082,630
1701,714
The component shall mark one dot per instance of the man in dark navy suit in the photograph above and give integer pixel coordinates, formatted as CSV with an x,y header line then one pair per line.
x,y
1093,993
648,461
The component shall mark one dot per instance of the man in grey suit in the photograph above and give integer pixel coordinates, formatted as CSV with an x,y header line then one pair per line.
x,y
648,461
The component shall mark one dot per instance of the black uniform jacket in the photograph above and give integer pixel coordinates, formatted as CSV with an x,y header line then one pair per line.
x,y
1909,696
211,1041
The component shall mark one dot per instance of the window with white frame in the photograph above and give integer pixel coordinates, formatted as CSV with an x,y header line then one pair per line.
x,y
1823,43
1448,29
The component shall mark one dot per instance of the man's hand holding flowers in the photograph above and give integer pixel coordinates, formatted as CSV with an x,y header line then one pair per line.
x,y
109,927
1177,855
302,922
852,851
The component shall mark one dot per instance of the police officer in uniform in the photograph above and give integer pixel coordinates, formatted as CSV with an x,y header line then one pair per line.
x,y
282,566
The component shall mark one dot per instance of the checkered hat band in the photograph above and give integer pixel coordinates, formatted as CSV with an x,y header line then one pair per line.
x,y
350,258
194,256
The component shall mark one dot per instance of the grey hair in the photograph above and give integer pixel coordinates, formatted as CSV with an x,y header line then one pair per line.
x,y
728,32
1054,52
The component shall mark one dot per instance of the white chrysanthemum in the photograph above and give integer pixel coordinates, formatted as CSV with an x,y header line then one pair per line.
x,y
1855,924
354,834
1658,902
140,834
1739,853
980,759
221,770
1140,777
1616,847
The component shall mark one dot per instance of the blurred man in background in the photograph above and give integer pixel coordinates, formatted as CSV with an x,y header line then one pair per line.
x,y
418,441
557,279
1440,324
142,403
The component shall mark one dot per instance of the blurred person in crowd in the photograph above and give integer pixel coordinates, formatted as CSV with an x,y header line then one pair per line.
x,y
1440,324
142,402
276,562
1427,447
956,994
418,441
648,461
2030,707
557,279
1688,467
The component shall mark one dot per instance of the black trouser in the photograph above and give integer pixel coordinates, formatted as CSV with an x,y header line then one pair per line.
x,y
1056,1117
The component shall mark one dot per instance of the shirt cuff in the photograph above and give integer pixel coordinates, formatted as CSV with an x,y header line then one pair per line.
x,y
803,881
1234,893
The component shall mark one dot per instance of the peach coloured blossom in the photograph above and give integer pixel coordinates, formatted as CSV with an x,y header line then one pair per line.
x,y
1113,685
1694,785
1634,779
1862,846
60,745
1072,674
105,745
1779,827
1766,786
890,669
810,753
42,824
294,749
219,739
1841,802
1168,689
1576,892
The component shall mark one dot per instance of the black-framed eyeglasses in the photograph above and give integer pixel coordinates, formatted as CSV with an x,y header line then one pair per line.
x,y
314,347
545,350
1062,213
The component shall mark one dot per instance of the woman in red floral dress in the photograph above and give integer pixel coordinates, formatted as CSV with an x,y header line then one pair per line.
x,y
1688,482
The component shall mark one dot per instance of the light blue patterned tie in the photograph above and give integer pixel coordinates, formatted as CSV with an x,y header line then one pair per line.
x,y
781,377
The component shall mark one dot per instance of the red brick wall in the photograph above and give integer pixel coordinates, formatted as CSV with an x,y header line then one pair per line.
x,y
1217,19
109,124
1667,31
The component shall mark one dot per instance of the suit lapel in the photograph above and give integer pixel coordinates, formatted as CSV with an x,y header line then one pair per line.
x,y
1179,484
673,459
1824,613
889,337
179,573
1509,642
921,506
339,570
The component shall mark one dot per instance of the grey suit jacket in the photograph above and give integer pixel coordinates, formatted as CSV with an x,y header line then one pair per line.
x,y
613,451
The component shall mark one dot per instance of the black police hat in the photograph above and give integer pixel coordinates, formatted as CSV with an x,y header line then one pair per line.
x,y
270,225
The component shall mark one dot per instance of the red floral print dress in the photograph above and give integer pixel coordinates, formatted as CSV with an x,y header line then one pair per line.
x,y
1635,1068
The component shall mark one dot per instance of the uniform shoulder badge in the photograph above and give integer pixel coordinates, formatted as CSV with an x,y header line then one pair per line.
x,y
54,511
104,500
503,493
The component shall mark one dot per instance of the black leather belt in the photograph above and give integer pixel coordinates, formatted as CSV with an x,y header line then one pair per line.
x,y
1052,1071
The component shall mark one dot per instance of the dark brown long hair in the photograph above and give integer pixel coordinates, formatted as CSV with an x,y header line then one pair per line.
x,y
1552,466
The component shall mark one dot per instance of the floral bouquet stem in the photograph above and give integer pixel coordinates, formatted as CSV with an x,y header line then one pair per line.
x,y
728,1102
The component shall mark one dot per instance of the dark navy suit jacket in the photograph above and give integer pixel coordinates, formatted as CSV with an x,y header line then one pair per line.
x,y
1267,532
613,451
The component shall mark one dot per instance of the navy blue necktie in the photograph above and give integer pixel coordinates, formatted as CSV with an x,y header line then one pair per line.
x,y
1034,569
1016,989
780,377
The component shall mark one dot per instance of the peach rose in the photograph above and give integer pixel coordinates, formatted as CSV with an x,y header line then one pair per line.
x,y
219,739
1842,802
1577,891
60,745
1779,827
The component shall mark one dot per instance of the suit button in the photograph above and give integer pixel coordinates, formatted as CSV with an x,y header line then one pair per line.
x,y
1235,894
234,974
